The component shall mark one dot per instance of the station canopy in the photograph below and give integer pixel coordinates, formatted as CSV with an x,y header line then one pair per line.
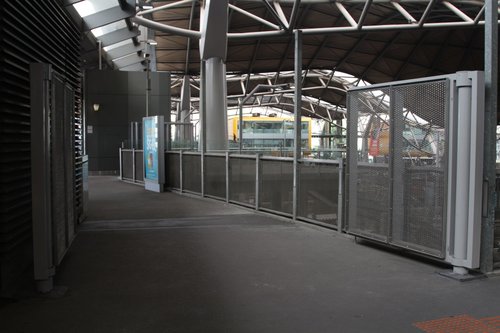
x,y
373,41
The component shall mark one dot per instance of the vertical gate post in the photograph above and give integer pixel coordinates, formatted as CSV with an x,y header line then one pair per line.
x,y
297,120
340,196
227,176
257,180
490,122
181,183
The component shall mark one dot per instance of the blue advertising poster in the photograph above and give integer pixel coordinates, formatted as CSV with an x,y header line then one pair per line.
x,y
150,141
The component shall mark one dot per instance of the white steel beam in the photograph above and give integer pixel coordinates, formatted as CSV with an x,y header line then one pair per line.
x,y
404,12
347,15
458,12
255,17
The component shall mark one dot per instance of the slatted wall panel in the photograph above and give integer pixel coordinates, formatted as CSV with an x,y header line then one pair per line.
x,y
30,31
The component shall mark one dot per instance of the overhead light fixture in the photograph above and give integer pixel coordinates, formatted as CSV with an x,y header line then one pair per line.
x,y
152,42
147,7
96,107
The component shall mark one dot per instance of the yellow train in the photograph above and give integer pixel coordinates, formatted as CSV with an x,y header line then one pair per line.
x,y
269,133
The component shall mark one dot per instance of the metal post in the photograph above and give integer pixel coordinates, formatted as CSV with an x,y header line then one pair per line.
x,y
240,126
462,191
131,134
181,185
121,163
490,122
100,54
203,94
136,135
148,85
184,110
133,165
227,176
168,135
202,173
257,180
297,120
340,196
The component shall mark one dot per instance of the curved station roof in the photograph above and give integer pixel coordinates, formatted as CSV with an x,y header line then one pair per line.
x,y
374,41
344,43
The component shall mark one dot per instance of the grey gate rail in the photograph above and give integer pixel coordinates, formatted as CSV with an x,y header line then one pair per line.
x,y
414,165
261,182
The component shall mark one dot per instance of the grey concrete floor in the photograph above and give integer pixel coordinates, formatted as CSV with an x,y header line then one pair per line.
x,y
216,268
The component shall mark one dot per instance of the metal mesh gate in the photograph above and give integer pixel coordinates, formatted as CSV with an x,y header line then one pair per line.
x,y
397,169
369,158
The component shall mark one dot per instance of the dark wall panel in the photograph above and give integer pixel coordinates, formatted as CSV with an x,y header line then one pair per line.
x,y
30,31
121,96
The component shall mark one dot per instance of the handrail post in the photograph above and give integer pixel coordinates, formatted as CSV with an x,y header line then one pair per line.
x,y
133,165
121,162
181,185
227,177
340,199
257,180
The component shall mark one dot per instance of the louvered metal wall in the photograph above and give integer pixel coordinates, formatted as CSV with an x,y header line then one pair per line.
x,y
30,31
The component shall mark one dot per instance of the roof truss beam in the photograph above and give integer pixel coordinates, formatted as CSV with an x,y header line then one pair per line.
x,y
110,15
118,36
124,50
286,25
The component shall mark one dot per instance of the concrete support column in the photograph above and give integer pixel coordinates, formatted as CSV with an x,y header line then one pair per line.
x,y
213,46
216,108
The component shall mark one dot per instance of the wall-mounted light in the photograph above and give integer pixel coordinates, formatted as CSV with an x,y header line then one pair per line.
x,y
96,107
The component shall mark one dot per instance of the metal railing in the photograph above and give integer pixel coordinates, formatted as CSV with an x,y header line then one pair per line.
x,y
263,183
132,165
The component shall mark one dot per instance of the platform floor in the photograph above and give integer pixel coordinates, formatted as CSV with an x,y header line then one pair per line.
x,y
149,262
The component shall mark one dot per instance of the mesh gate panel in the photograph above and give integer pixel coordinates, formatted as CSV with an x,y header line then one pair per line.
x,y
172,170
419,167
318,192
191,172
369,163
276,186
215,176
242,180
127,162
139,166
397,169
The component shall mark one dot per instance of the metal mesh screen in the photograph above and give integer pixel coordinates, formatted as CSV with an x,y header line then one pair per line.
x,y
215,176
318,192
139,165
172,170
276,186
369,163
419,166
397,169
191,172
127,164
242,180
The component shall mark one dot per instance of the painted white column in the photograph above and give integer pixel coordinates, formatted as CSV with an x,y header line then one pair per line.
x,y
213,47
216,105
